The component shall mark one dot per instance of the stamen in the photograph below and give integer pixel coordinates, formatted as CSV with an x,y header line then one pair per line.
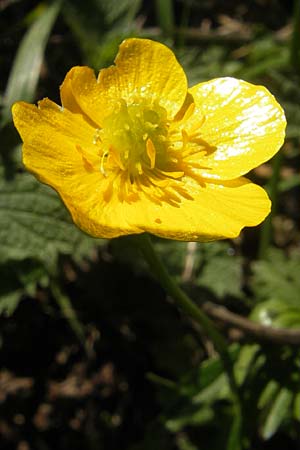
x,y
139,167
116,157
151,152
86,162
185,138
189,112
102,170
96,136
176,175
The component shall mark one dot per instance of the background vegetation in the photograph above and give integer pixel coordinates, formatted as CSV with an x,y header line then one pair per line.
x,y
93,355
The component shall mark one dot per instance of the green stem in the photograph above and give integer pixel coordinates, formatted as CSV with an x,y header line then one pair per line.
x,y
68,311
295,49
183,24
165,16
186,304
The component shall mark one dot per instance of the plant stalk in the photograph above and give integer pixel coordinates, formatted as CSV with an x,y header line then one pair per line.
x,y
182,300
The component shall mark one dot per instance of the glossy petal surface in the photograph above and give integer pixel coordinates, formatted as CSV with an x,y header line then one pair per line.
x,y
146,70
216,212
134,151
143,70
243,122
51,138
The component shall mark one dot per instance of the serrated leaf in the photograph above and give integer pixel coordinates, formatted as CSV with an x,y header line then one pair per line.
x,y
19,278
25,71
35,224
220,265
279,411
277,277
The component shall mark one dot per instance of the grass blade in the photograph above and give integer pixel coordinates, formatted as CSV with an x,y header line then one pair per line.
x,y
25,71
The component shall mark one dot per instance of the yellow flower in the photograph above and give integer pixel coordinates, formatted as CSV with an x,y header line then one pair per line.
x,y
135,150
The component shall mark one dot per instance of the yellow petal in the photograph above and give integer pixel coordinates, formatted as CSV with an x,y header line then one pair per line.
x,y
68,98
147,70
58,145
243,122
80,93
214,211
211,211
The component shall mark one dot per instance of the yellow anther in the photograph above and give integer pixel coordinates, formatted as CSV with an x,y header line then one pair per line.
x,y
139,168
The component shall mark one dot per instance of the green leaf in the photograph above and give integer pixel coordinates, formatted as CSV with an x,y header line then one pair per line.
x,y
291,182
192,415
25,71
249,359
296,408
205,380
17,279
35,224
270,391
220,265
208,383
124,10
184,443
279,411
9,302
173,254
277,277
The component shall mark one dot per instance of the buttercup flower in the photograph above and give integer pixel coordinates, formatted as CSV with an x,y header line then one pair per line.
x,y
135,150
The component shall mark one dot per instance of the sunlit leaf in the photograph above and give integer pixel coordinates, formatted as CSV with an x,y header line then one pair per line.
x,y
25,71
191,416
296,408
279,411
35,224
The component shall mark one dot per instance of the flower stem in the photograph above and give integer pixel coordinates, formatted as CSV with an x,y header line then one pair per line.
x,y
144,243
165,16
68,311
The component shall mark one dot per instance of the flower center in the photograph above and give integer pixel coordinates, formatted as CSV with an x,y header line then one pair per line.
x,y
134,138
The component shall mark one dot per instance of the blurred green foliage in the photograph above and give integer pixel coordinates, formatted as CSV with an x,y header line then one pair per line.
x,y
140,376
